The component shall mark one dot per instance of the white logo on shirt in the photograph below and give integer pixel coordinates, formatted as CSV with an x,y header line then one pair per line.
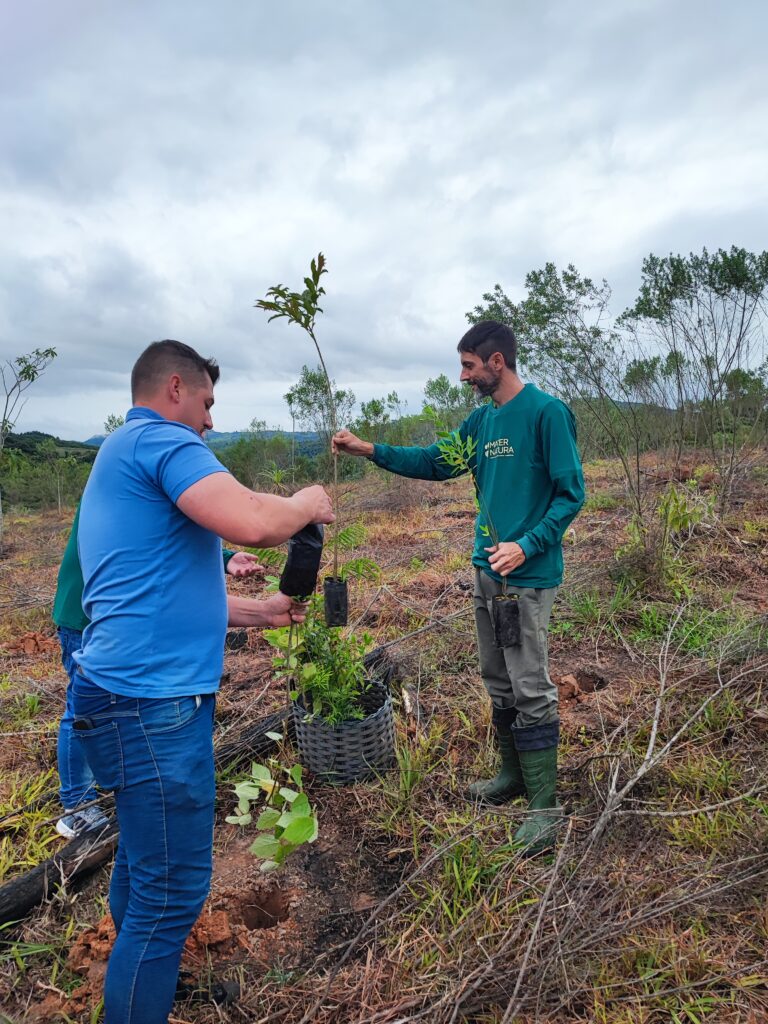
x,y
495,449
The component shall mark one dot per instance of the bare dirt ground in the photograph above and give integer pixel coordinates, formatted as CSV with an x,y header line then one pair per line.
x,y
411,904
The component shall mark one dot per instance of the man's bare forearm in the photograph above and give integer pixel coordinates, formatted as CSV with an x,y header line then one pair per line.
x,y
245,611
276,610
277,519
219,503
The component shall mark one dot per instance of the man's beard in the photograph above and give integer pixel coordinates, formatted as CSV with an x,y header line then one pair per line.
x,y
487,387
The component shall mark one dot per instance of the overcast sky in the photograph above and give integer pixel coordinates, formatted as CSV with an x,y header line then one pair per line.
x,y
163,163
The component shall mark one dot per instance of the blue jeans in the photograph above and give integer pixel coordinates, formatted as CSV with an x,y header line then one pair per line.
x,y
76,778
157,757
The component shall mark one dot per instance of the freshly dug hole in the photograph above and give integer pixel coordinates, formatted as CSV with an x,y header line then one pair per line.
x,y
265,910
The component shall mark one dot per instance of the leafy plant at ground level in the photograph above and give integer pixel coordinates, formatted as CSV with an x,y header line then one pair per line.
x,y
286,820
696,630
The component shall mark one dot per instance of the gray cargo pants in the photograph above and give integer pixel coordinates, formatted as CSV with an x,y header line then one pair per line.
x,y
517,677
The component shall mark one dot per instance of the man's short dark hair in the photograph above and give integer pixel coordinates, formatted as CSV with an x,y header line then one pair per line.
x,y
162,358
491,336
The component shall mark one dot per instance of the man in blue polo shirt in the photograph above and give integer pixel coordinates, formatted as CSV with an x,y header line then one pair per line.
x,y
152,655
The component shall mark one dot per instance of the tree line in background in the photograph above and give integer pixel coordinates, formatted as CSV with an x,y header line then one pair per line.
x,y
683,367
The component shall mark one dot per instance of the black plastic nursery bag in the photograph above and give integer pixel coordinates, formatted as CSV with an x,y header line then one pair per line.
x,y
305,549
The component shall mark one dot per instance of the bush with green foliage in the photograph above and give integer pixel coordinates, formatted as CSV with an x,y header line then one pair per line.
x,y
325,667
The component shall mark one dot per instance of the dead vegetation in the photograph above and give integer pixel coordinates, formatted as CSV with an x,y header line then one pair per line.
x,y
412,905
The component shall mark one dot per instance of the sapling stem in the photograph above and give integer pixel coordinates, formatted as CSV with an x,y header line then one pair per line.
x,y
332,410
301,308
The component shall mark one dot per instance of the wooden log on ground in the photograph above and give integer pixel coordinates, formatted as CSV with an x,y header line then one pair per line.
x,y
84,853
87,852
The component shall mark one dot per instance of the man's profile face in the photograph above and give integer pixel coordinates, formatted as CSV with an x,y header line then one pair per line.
x,y
194,408
482,377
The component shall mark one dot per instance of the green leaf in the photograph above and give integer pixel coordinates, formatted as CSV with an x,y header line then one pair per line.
x,y
260,771
264,846
268,818
268,865
238,819
315,833
301,804
296,773
248,791
276,736
299,831
288,794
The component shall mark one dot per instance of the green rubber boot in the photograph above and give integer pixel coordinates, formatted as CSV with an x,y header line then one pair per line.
x,y
508,783
537,750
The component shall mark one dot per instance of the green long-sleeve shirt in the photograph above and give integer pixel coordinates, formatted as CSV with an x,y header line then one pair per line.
x,y
528,471
68,602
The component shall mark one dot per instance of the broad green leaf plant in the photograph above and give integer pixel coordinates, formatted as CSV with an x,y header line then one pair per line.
x,y
285,818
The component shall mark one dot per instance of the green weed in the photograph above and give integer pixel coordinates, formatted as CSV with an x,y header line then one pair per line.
x,y
600,502
712,832
720,714
566,629
704,775
28,839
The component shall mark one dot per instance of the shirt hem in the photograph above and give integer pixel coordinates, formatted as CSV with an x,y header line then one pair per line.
x,y
165,692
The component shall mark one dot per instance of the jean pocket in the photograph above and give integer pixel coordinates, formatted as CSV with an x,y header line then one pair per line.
x,y
104,753
167,714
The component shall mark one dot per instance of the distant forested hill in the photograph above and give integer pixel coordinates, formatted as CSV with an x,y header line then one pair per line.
x,y
307,441
28,443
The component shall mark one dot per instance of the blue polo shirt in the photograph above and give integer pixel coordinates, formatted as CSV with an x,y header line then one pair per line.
x,y
154,580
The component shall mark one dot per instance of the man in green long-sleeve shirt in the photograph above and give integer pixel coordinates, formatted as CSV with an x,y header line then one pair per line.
x,y
525,464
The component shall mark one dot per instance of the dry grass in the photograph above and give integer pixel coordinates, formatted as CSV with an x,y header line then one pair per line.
x,y
652,908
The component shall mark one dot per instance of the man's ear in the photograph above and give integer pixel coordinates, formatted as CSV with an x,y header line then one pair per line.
x,y
497,361
174,388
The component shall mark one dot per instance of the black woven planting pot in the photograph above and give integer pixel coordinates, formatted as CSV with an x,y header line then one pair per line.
x,y
350,751
506,620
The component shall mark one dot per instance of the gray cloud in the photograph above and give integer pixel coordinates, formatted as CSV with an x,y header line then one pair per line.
x,y
166,163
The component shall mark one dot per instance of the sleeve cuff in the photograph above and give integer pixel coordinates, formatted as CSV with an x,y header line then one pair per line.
x,y
226,555
529,549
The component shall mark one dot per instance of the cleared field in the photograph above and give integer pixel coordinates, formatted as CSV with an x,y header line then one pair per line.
x,y
412,904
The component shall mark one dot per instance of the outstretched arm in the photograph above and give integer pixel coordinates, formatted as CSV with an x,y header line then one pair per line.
x,y
221,504
412,461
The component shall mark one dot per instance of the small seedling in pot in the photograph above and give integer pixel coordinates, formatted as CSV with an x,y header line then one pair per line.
x,y
324,668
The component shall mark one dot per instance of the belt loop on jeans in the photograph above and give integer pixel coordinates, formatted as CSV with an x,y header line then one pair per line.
x,y
198,700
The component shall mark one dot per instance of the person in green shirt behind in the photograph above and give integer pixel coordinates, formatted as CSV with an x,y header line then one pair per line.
x,y
77,785
527,471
